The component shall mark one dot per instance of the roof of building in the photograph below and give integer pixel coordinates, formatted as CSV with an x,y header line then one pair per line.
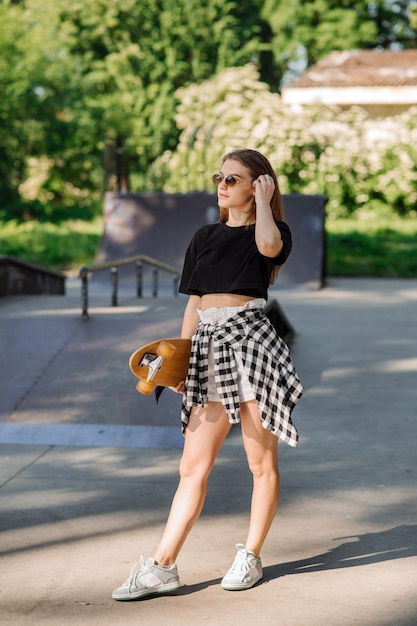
x,y
362,68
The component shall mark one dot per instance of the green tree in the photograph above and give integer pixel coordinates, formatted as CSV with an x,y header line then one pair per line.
x,y
20,101
38,83
134,55
413,18
75,73
359,163
305,31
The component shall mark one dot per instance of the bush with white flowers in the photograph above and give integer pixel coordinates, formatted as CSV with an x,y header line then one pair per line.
x,y
359,163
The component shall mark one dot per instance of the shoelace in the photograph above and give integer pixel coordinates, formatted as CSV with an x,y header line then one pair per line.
x,y
137,567
240,564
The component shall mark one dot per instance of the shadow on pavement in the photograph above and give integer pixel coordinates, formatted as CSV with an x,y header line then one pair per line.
x,y
396,543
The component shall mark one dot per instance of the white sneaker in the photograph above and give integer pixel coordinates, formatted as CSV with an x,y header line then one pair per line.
x,y
245,572
147,578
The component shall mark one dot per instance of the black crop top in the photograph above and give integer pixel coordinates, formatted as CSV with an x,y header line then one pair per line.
x,y
225,259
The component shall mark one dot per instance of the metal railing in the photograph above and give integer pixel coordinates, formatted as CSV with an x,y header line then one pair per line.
x,y
113,266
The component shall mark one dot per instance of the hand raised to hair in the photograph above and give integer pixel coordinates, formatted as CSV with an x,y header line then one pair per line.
x,y
264,189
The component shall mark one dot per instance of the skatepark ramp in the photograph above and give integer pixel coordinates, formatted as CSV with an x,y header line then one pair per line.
x,y
141,226
161,226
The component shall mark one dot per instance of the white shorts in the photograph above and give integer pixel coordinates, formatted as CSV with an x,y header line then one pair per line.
x,y
219,317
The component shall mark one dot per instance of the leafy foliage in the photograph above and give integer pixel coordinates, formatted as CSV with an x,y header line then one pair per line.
x,y
310,30
60,247
91,69
77,76
355,161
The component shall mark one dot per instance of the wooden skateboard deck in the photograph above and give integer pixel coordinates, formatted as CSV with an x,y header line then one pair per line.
x,y
160,363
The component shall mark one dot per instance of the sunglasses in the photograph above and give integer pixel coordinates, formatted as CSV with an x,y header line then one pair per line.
x,y
230,181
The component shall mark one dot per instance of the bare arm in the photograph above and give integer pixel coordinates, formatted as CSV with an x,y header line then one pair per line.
x,y
267,234
189,326
190,319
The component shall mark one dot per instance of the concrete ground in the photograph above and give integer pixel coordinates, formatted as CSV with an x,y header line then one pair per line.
x,y
88,467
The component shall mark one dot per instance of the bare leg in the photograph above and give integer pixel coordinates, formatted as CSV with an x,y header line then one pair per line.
x,y
205,433
261,448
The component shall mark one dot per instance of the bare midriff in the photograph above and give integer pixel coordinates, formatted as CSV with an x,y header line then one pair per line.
x,y
220,300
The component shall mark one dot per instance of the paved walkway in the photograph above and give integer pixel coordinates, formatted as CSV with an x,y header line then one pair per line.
x,y
88,468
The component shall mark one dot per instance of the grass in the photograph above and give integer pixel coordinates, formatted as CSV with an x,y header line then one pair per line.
x,y
63,247
374,247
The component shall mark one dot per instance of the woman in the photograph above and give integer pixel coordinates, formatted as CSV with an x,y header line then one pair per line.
x,y
240,370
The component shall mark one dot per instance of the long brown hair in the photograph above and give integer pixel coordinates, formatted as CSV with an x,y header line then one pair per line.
x,y
257,165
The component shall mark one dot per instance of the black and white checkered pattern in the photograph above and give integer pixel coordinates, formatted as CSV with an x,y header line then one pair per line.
x,y
268,365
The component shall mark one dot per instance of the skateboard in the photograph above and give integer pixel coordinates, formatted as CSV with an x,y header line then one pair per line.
x,y
162,363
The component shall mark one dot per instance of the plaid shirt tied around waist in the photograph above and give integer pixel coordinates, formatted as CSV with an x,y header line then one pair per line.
x,y
268,365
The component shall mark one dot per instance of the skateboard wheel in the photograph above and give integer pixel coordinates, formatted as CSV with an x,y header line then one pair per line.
x,y
165,350
145,387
